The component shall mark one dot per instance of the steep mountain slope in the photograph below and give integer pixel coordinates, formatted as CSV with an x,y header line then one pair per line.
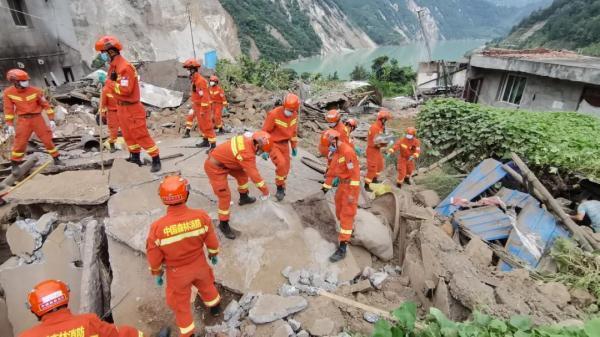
x,y
566,24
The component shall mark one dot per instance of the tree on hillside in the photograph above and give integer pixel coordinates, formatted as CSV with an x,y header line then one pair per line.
x,y
377,66
359,73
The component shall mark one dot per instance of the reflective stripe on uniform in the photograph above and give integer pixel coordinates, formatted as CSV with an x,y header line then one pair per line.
x,y
279,178
213,251
294,121
342,159
16,98
354,183
54,150
260,184
31,97
368,181
18,154
327,186
223,211
187,329
237,145
243,187
346,231
9,117
294,139
404,146
213,302
50,111
152,149
109,95
281,123
182,236
204,104
134,147
117,88
140,334
155,269
212,140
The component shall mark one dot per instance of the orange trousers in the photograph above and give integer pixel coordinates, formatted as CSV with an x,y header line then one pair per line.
x,y
375,164
132,120
280,156
189,120
179,290
218,180
346,204
217,110
205,124
34,123
112,120
405,168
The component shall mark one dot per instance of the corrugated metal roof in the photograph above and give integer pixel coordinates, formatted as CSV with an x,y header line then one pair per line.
x,y
489,222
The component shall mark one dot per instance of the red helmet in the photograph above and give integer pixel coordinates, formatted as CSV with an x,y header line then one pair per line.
x,y
384,115
291,102
108,41
351,122
174,190
191,63
14,75
411,131
328,137
333,116
214,78
263,139
47,296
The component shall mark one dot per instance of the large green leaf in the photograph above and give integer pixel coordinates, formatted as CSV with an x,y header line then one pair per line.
x,y
406,315
521,322
592,327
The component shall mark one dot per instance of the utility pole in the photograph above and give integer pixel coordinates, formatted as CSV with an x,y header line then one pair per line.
x,y
191,31
419,11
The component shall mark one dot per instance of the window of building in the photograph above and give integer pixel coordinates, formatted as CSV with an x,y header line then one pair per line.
x,y
18,11
68,72
512,89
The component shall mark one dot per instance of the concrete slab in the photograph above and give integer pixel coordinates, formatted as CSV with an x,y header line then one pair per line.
x,y
61,246
20,241
6,329
124,174
72,187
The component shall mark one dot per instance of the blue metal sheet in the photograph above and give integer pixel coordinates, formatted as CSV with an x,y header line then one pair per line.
x,y
512,198
210,59
489,222
486,174
537,224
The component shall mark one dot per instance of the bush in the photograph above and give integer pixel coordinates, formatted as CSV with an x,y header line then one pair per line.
x,y
564,140
261,73
359,73
390,78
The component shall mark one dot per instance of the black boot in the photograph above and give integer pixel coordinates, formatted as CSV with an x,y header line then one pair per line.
x,y
135,159
220,131
216,310
340,253
112,148
14,168
58,162
204,143
212,147
375,180
399,185
226,230
156,166
368,187
408,181
186,134
246,199
280,193
130,159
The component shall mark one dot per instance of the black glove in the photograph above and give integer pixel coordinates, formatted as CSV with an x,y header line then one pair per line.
x,y
325,190
194,87
113,76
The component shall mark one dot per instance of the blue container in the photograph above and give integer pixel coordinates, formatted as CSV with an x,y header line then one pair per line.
x,y
210,59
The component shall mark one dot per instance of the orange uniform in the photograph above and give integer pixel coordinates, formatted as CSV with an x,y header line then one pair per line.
x,y
236,157
218,101
109,106
131,113
406,149
344,137
375,162
202,108
344,164
27,104
284,133
63,323
177,240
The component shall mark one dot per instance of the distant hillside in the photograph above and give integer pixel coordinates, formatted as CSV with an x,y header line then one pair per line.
x,y
566,24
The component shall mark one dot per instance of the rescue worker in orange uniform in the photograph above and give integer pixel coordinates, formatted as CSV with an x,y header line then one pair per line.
x,y
125,87
282,124
108,114
176,243
49,301
375,161
334,122
351,125
27,102
236,157
345,166
218,101
201,105
409,149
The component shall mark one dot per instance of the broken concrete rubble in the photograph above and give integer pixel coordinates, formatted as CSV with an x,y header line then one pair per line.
x,y
321,318
269,308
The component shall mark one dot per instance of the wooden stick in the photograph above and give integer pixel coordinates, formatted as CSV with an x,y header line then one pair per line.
x,y
100,133
440,162
552,204
356,304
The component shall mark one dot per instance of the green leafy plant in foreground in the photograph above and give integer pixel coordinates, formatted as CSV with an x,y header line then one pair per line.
x,y
567,141
438,325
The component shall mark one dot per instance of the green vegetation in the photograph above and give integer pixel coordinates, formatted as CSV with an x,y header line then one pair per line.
x,y
567,141
261,73
256,19
566,24
390,78
576,268
437,325
359,73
